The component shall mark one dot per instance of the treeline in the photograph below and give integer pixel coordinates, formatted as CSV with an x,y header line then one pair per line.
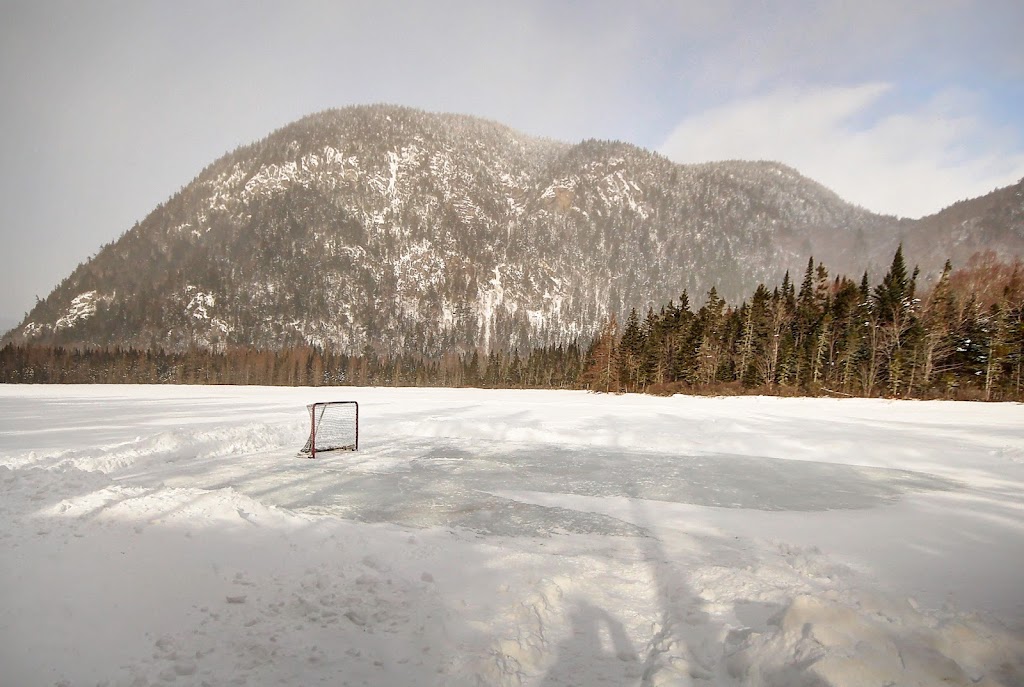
x,y
556,367
961,338
964,338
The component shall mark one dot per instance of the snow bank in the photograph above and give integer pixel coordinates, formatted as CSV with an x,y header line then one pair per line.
x,y
870,641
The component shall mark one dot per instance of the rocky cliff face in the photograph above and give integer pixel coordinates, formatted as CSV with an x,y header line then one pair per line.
x,y
413,232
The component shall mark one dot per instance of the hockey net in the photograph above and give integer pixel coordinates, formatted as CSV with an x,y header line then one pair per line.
x,y
333,426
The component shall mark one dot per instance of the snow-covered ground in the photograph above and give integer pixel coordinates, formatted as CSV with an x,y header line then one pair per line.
x,y
157,535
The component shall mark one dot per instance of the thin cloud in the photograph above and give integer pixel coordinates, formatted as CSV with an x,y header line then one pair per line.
x,y
908,163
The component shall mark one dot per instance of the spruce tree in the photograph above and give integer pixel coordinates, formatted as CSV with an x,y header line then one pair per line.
x,y
653,334
710,320
892,295
631,350
807,320
895,306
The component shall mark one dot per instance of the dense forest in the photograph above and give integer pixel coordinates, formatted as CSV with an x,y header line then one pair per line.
x,y
962,337
556,367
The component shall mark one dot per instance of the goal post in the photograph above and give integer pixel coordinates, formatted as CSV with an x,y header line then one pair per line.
x,y
333,426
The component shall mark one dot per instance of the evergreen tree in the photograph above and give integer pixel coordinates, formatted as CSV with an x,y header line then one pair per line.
x,y
472,369
895,308
807,320
653,336
774,326
708,330
631,354
675,351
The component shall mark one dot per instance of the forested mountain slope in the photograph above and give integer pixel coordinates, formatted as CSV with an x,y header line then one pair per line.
x,y
420,233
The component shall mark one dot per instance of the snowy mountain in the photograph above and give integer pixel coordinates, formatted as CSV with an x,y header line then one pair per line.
x,y
992,222
424,233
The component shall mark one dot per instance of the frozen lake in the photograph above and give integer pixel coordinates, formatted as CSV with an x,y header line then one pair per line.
x,y
161,534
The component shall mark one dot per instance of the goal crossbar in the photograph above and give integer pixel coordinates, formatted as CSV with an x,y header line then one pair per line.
x,y
333,426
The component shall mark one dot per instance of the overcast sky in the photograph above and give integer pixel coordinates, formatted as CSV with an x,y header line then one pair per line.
x,y
108,108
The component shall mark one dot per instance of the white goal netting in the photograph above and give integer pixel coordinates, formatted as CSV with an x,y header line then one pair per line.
x,y
333,426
